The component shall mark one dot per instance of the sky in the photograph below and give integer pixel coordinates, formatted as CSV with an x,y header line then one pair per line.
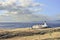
x,y
29,10
52,7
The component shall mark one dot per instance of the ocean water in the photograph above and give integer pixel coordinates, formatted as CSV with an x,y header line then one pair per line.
x,y
6,25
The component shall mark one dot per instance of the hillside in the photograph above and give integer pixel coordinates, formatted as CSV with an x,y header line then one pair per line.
x,y
30,34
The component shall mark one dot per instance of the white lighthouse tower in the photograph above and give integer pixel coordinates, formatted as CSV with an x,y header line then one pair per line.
x,y
44,25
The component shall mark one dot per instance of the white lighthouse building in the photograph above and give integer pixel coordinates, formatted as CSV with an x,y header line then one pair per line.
x,y
44,25
40,26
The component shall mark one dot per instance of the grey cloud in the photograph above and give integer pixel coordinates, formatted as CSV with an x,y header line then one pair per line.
x,y
24,14
22,18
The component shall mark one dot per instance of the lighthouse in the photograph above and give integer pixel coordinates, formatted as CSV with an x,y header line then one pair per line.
x,y
44,25
40,26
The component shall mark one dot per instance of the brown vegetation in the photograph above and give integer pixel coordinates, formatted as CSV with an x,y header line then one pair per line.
x,y
30,34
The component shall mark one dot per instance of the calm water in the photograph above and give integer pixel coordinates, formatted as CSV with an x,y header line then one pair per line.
x,y
10,25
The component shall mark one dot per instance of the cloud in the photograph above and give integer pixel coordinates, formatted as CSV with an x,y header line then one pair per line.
x,y
21,11
36,9
25,2
22,18
7,2
30,3
14,5
57,16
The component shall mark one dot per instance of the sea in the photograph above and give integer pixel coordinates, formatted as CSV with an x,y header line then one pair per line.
x,y
12,25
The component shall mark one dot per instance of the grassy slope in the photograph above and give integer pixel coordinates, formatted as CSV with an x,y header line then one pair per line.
x,y
30,34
